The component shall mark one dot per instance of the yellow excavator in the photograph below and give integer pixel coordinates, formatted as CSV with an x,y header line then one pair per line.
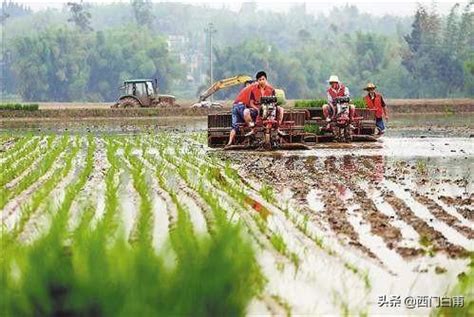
x,y
218,85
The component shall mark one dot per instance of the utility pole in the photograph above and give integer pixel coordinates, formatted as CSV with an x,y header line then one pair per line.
x,y
210,30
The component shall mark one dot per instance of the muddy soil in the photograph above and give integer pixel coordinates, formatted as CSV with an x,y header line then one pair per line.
x,y
107,125
357,221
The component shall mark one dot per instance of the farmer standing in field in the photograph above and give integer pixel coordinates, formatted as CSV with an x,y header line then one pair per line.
x,y
374,101
336,90
241,111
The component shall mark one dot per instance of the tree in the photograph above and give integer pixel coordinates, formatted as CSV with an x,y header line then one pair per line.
x,y
142,11
80,16
59,65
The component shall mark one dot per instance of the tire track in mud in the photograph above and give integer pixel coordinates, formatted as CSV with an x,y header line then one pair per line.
x,y
464,207
428,235
302,176
380,224
442,215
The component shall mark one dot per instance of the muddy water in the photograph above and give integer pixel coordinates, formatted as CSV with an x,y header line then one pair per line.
x,y
404,203
393,216
105,126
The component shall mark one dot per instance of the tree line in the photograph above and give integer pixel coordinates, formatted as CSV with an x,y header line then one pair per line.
x,y
83,52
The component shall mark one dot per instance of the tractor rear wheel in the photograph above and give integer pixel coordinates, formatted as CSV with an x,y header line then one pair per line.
x,y
128,102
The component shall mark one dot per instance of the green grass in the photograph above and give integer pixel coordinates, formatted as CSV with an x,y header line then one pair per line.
x,y
318,103
19,106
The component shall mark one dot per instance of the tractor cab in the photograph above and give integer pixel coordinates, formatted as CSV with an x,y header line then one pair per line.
x,y
138,93
142,89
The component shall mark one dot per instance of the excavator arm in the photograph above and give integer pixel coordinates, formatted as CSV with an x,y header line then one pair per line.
x,y
224,83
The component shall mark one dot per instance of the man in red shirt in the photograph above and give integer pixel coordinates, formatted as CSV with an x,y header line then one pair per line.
x,y
336,89
263,89
240,110
374,101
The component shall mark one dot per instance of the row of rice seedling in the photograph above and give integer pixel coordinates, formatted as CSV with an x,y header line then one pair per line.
x,y
108,224
210,175
185,235
19,106
145,221
24,159
20,142
41,194
29,145
85,272
318,103
76,186
43,167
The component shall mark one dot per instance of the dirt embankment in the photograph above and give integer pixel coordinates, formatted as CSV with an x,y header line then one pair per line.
x,y
83,113
103,110
430,105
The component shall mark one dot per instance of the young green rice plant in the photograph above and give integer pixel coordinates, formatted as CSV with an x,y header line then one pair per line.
x,y
62,214
143,229
278,243
13,170
427,245
283,303
42,193
312,128
19,144
318,103
26,158
421,167
21,152
463,288
266,191
19,106
93,276
108,224
35,174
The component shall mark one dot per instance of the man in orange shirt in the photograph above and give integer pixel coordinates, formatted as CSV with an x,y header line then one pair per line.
x,y
241,111
374,101
263,89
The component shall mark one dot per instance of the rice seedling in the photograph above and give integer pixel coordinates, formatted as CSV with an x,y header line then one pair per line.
x,y
41,194
84,273
20,142
35,174
266,191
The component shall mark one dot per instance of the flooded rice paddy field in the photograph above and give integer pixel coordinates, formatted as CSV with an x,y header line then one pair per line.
x,y
335,228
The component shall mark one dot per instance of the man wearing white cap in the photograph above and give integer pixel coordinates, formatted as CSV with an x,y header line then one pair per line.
x,y
336,90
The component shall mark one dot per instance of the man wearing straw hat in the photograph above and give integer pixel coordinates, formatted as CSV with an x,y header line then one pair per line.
x,y
336,90
374,101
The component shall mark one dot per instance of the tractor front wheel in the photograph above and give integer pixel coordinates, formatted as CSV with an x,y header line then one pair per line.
x,y
128,102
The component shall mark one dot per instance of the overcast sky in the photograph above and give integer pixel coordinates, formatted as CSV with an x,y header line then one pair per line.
x,y
401,7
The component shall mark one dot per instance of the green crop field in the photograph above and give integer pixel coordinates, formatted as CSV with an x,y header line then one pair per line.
x,y
159,224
